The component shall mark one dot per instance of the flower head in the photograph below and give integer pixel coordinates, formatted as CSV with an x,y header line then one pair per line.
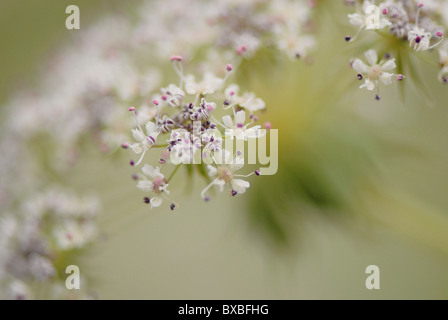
x,y
375,71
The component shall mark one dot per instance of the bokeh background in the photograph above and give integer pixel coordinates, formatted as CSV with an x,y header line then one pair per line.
x,y
360,182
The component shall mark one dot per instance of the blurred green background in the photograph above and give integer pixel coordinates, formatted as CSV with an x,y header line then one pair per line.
x,y
359,183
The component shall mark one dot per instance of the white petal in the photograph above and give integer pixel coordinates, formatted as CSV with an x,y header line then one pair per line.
x,y
157,173
389,65
150,127
220,184
240,117
211,170
369,85
356,19
386,78
360,66
371,56
138,135
190,84
148,170
227,120
253,132
156,201
145,185
238,163
256,105
239,185
231,88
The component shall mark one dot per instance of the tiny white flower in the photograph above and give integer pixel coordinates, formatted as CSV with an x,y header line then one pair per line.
x,y
223,173
156,185
209,84
145,113
419,39
248,100
238,128
294,44
375,71
173,95
370,18
145,142
73,235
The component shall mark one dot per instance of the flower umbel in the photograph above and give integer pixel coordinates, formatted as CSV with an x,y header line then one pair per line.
x,y
196,137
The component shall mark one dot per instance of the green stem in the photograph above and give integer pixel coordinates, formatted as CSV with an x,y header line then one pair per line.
x,y
174,172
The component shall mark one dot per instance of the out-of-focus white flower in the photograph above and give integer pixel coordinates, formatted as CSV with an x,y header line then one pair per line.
x,y
294,45
248,100
371,18
47,224
443,53
375,71
173,95
18,290
156,185
74,234
209,84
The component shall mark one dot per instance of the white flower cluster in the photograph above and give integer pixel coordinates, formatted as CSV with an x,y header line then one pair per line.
x,y
73,100
226,26
421,23
187,131
116,62
36,242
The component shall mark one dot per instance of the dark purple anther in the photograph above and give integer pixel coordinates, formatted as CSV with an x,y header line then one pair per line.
x,y
146,200
234,193
151,139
